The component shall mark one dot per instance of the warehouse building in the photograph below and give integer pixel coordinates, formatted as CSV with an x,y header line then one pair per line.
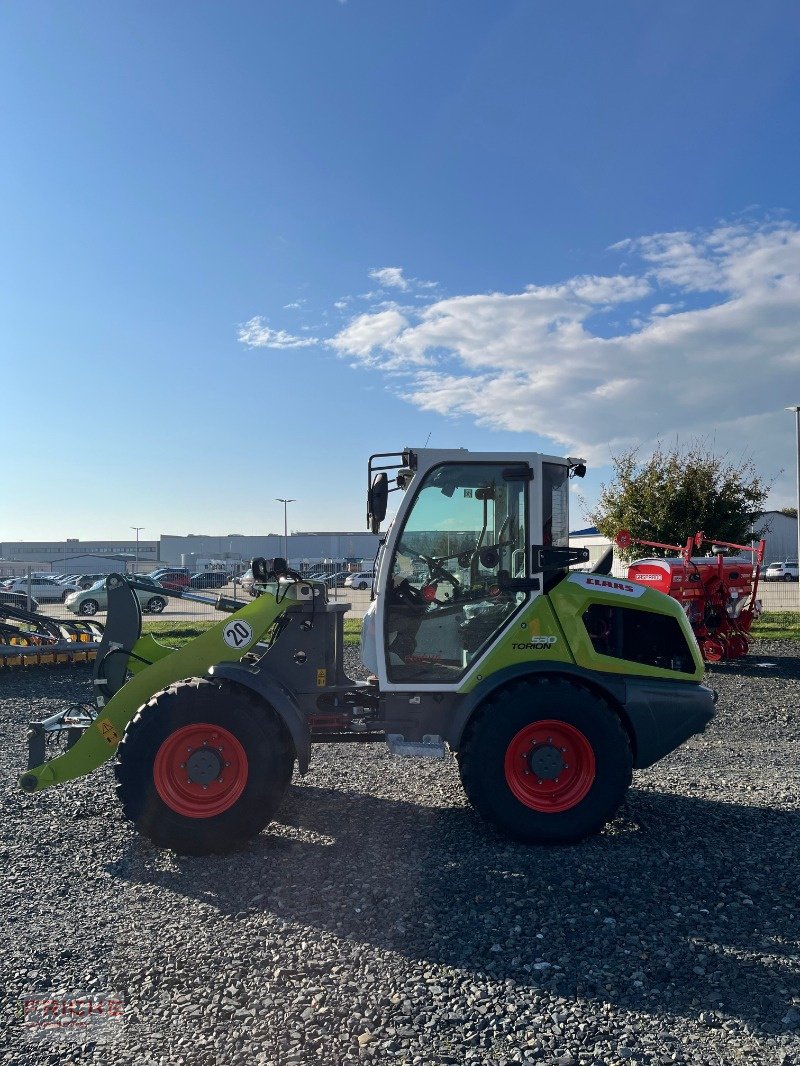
x,y
239,549
194,550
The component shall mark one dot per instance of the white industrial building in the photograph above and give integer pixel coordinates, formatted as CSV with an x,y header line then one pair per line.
x,y
193,550
240,549
780,535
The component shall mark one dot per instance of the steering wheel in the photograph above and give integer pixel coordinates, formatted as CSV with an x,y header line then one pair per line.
x,y
404,592
438,572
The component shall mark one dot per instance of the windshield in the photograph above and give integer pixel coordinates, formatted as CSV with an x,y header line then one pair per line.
x,y
463,539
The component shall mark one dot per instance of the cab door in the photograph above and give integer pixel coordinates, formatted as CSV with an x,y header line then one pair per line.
x,y
461,546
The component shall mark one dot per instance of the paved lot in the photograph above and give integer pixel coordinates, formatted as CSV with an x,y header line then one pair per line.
x,y
188,610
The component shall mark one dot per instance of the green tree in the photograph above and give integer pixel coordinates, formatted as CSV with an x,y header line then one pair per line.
x,y
678,491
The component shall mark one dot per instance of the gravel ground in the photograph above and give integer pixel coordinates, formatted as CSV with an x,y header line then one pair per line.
x,y
379,920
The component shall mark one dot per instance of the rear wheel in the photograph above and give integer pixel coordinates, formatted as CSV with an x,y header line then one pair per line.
x,y
546,760
156,604
203,767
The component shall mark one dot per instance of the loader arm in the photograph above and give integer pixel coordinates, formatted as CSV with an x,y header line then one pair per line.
x,y
226,641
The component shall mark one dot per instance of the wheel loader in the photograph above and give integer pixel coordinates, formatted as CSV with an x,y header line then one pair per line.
x,y
548,685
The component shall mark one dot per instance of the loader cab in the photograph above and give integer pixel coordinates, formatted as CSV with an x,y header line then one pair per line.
x,y
457,564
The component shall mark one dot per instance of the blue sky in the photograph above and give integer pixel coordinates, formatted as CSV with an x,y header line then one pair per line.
x,y
246,244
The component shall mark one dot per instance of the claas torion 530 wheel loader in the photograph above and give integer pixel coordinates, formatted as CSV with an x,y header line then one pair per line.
x,y
549,685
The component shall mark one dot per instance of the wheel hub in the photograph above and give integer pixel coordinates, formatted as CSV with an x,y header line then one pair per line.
x,y
200,770
550,766
546,761
204,766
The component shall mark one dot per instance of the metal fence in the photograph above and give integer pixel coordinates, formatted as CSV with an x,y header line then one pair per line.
x,y
65,603
39,591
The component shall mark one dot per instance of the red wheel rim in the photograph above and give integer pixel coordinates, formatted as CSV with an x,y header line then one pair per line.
x,y
713,650
200,770
738,646
549,766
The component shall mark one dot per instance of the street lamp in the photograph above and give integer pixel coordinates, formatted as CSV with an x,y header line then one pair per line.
x,y
285,503
796,409
137,528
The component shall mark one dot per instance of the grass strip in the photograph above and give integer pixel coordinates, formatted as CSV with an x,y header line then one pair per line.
x,y
777,625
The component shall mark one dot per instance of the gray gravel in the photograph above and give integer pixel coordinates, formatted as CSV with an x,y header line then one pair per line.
x,y
379,920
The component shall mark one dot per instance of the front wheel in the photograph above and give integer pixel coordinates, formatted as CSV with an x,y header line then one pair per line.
x,y
788,577
203,766
546,761
362,585
89,607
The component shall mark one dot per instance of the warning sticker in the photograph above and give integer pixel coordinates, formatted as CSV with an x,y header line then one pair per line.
x,y
107,731
322,678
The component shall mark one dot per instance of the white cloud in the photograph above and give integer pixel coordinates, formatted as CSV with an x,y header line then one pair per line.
x,y
369,334
540,360
256,334
390,278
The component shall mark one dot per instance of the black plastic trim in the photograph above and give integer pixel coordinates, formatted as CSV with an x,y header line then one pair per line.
x,y
658,715
278,697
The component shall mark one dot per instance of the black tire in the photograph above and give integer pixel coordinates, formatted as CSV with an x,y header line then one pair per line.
x,y
89,607
156,604
788,577
498,722
362,585
261,733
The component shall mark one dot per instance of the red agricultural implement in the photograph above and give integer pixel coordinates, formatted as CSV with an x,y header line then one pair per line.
x,y
717,592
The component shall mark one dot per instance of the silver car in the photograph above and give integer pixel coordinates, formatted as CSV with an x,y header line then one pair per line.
x,y
90,601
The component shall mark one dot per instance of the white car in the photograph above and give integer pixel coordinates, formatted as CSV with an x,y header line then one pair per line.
x,y
90,601
362,580
44,589
785,571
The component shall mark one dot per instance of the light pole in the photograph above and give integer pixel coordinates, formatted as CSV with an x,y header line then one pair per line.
x,y
796,409
137,528
285,503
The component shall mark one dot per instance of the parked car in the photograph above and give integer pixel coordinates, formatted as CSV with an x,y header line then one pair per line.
x,y
172,577
45,589
209,579
18,599
362,580
248,582
335,581
85,581
90,601
785,571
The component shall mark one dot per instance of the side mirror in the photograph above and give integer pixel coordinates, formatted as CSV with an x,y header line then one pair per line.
x,y
377,501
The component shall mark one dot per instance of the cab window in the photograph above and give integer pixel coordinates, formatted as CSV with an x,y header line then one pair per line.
x,y
463,538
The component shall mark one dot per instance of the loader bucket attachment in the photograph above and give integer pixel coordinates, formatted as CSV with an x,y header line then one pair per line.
x,y
226,641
